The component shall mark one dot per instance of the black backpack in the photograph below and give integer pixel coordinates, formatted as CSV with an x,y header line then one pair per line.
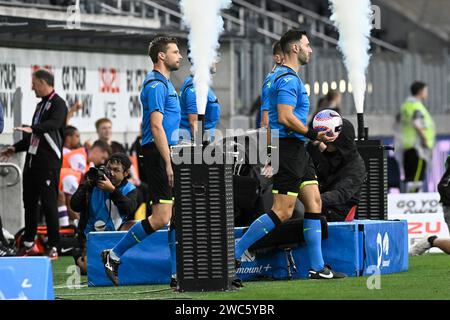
x,y
68,240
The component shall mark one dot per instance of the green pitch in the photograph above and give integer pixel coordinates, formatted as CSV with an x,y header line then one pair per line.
x,y
428,278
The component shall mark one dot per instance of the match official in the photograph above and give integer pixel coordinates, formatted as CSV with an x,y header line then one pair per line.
x,y
288,111
160,126
43,141
189,110
278,56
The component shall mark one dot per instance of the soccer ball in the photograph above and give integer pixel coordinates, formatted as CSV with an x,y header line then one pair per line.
x,y
328,120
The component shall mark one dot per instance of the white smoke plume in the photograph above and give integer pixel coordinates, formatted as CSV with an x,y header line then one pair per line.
x,y
353,19
205,24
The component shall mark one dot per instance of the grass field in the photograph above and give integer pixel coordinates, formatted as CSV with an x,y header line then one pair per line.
x,y
428,278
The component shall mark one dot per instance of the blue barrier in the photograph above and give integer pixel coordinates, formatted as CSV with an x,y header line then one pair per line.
x,y
146,263
10,289
26,278
351,247
341,250
385,246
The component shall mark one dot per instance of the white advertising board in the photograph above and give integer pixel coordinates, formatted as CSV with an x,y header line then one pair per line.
x,y
423,213
108,85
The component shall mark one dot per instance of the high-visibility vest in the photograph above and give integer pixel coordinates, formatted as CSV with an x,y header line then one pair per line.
x,y
410,137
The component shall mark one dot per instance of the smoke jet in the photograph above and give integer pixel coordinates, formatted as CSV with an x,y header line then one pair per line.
x,y
353,19
205,24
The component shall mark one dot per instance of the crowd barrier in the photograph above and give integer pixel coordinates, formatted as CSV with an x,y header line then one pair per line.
x,y
356,248
26,278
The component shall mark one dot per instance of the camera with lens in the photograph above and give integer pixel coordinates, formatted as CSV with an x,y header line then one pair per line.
x,y
94,175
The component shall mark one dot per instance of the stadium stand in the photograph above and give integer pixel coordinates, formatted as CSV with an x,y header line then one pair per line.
x,y
250,27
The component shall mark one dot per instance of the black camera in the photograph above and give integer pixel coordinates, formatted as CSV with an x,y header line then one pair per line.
x,y
98,174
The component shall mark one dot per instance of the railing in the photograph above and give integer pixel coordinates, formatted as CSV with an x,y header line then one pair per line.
x,y
241,18
316,22
328,22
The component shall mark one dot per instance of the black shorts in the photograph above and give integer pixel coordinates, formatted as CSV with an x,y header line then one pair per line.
x,y
155,169
295,170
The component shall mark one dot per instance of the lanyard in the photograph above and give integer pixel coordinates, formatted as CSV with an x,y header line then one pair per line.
x,y
44,106
34,140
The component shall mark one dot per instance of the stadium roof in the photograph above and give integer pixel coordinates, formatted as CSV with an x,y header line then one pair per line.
x,y
129,27
432,15
48,27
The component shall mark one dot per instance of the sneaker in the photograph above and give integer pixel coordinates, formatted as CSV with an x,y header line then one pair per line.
x,y
173,282
111,267
326,273
421,246
52,253
6,251
237,283
28,252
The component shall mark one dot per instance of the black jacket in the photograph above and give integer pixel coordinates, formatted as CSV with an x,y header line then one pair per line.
x,y
444,184
1,117
117,147
341,174
50,131
125,203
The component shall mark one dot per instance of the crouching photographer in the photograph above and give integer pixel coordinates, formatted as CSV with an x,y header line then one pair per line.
x,y
106,202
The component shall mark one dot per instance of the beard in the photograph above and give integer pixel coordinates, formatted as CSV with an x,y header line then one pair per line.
x,y
303,58
173,66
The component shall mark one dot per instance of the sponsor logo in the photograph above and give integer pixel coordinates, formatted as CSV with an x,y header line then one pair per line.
x,y
248,257
26,284
109,80
327,276
383,250
254,270
422,228
64,250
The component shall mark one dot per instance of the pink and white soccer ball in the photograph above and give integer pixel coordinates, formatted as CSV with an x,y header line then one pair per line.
x,y
328,120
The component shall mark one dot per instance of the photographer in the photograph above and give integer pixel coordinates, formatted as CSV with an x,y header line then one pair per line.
x,y
106,201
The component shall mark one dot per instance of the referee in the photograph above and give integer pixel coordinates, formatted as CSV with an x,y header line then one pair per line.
x,y
189,110
43,142
278,56
288,111
160,124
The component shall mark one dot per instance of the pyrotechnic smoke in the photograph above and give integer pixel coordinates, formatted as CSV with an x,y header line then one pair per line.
x,y
353,19
205,24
